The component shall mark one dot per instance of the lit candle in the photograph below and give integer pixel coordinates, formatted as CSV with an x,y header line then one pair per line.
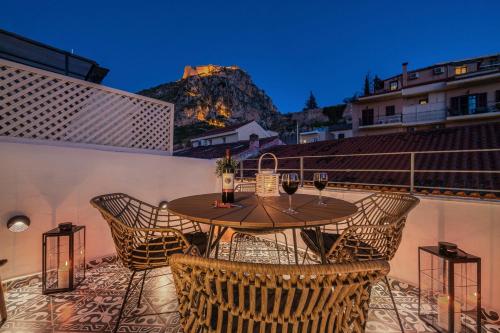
x,y
63,276
443,308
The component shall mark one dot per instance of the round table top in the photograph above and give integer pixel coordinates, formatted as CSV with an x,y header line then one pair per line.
x,y
262,213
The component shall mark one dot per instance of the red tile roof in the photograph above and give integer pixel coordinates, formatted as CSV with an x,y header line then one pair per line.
x,y
458,138
218,151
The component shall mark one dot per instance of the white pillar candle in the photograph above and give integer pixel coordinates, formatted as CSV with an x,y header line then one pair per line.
x,y
443,308
63,276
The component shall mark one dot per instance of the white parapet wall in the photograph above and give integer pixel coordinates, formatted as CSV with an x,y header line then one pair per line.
x,y
472,224
54,184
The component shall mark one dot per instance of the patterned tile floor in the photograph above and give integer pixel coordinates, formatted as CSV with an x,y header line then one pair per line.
x,y
94,306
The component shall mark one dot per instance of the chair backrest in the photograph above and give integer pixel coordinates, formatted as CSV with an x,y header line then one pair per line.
x,y
145,236
223,296
375,232
245,187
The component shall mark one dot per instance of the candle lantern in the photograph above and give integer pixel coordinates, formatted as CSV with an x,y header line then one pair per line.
x,y
63,261
268,181
449,285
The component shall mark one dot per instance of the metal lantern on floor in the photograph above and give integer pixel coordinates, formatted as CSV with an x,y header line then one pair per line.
x,y
63,262
449,289
267,179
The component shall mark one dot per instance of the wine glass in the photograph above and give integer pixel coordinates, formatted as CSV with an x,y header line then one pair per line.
x,y
290,183
320,181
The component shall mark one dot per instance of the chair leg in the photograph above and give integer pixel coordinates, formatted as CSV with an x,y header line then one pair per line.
x,y
3,306
142,288
124,302
231,245
277,248
394,303
286,247
305,256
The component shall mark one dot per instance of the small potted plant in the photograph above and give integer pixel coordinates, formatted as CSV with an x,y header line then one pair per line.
x,y
221,162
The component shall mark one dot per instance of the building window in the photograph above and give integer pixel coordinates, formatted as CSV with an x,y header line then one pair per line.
x,y
468,104
224,140
413,76
393,85
438,70
423,101
459,70
367,117
341,135
390,110
209,142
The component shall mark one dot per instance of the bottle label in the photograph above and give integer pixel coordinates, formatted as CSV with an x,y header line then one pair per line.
x,y
228,182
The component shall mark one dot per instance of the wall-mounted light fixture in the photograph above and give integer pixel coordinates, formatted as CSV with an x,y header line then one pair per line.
x,y
18,223
163,205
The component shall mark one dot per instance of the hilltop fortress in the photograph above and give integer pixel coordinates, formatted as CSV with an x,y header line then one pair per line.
x,y
205,70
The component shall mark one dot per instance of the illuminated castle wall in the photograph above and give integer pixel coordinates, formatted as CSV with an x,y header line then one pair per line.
x,y
205,70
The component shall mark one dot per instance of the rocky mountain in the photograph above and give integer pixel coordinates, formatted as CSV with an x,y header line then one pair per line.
x,y
216,96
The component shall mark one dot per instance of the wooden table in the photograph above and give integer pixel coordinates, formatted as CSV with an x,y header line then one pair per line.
x,y
262,214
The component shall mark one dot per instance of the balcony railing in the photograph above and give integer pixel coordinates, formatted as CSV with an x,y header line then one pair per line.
x,y
429,115
408,162
382,120
490,108
424,116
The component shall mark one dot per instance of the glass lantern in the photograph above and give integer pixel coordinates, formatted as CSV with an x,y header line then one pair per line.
x,y
63,262
449,290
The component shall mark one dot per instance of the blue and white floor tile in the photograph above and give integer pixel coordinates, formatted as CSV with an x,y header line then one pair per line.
x,y
95,305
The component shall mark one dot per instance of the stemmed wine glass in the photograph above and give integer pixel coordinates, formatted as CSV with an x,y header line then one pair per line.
x,y
290,183
320,181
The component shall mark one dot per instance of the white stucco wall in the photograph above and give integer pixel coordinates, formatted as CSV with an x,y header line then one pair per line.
x,y
245,131
472,224
54,184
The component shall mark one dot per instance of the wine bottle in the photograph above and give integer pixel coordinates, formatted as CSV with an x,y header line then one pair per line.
x,y
228,179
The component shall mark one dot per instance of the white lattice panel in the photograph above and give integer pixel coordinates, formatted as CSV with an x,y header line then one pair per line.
x,y
38,104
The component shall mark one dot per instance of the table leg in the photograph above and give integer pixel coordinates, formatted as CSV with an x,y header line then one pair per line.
x,y
209,244
215,243
319,237
295,249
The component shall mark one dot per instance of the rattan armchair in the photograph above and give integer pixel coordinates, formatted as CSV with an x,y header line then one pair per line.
x,y
146,236
223,296
374,233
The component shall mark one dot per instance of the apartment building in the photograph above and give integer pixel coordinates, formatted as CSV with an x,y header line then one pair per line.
x,y
442,95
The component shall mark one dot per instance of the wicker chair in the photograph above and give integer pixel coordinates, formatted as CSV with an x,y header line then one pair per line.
x,y
235,237
374,233
146,236
223,296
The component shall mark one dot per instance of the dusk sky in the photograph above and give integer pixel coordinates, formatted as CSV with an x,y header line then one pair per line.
x,y
289,48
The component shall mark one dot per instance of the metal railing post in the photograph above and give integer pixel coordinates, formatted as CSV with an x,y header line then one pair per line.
x,y
412,172
301,171
241,170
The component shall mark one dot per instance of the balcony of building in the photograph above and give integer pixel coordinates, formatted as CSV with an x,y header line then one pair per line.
x,y
381,121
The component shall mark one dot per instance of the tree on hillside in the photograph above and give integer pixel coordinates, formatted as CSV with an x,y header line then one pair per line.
x,y
366,86
378,84
311,102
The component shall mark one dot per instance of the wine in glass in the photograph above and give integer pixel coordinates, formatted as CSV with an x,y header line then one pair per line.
x,y
290,184
320,181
